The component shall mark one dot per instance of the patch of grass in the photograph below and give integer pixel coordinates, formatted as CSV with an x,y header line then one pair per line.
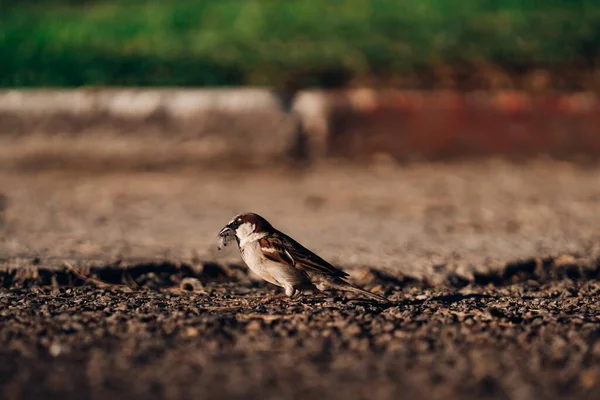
x,y
275,42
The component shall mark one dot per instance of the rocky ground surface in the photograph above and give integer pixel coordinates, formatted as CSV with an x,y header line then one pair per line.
x,y
111,286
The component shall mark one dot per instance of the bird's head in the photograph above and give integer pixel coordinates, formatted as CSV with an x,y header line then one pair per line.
x,y
242,228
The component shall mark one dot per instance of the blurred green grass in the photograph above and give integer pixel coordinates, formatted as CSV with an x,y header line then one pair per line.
x,y
275,42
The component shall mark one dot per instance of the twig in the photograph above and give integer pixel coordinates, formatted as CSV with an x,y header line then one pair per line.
x,y
130,279
266,317
90,279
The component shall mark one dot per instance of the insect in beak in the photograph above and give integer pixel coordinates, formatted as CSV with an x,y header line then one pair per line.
x,y
226,235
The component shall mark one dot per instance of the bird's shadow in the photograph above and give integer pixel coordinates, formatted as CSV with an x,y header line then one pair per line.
x,y
446,299
325,299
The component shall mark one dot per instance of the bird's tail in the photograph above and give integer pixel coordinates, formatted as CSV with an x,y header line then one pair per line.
x,y
343,285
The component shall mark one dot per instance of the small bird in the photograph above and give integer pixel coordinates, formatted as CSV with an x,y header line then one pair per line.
x,y
280,260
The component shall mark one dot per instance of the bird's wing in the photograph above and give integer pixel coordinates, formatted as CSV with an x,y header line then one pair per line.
x,y
282,248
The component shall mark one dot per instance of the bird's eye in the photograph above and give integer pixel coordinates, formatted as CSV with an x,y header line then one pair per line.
x,y
236,222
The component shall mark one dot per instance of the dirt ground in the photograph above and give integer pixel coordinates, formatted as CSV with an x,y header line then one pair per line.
x,y
492,270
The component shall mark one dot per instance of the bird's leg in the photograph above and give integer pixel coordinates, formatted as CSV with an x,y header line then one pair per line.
x,y
289,293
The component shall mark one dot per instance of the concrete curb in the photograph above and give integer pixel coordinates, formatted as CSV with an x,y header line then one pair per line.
x,y
147,128
144,127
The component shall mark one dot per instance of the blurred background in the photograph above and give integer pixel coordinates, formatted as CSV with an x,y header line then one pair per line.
x,y
477,44
444,133
429,80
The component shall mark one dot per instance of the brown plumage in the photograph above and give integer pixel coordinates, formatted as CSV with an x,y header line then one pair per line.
x,y
279,259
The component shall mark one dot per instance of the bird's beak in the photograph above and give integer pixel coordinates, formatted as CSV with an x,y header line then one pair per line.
x,y
226,231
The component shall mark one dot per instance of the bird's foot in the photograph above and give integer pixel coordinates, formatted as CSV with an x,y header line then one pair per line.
x,y
273,297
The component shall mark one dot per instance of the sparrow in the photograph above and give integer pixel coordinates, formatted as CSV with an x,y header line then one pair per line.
x,y
280,260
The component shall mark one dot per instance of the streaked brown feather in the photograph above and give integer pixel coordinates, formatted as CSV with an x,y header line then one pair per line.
x,y
274,250
282,248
